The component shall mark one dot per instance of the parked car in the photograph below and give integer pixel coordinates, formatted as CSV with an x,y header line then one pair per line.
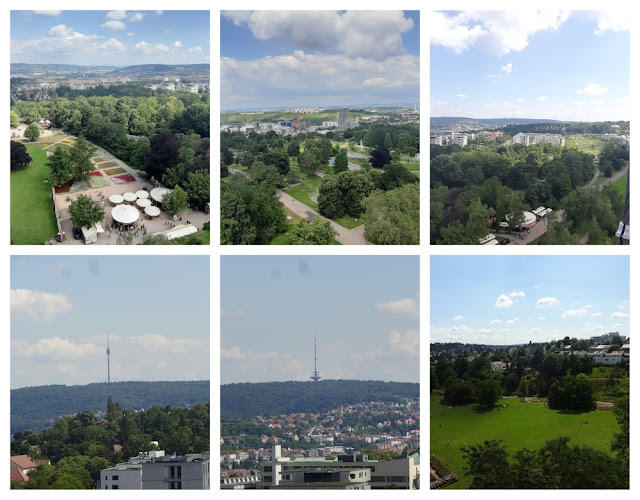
x,y
77,234
505,241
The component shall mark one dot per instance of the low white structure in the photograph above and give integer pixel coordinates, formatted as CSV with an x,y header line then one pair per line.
x,y
90,234
178,231
125,214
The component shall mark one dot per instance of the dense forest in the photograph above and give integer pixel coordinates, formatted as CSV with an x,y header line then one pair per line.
x,y
473,185
36,408
274,398
79,447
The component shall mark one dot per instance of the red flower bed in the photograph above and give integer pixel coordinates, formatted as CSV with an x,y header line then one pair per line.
x,y
64,188
125,178
97,174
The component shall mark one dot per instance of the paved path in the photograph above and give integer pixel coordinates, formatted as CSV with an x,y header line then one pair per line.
x,y
614,178
345,236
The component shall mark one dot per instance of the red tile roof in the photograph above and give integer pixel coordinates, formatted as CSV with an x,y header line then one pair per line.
x,y
23,461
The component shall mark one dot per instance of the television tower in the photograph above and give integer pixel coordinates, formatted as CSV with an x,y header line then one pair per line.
x,y
315,375
108,361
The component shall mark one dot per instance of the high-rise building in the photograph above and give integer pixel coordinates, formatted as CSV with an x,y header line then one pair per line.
x,y
343,118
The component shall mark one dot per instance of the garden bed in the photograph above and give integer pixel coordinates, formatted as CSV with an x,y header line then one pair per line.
x,y
64,188
120,179
96,182
79,186
109,164
96,173
115,171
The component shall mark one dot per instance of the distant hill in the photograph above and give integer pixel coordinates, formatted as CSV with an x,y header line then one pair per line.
x,y
443,121
273,398
36,408
147,69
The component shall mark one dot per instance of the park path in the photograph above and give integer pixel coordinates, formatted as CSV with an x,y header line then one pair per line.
x,y
614,178
345,236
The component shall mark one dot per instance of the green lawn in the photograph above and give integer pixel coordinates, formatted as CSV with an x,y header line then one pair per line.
x,y
349,222
32,218
585,143
302,191
621,185
519,425
411,166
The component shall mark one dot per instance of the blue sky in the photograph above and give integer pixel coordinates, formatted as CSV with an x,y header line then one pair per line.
x,y
365,311
512,300
119,38
318,58
155,310
531,64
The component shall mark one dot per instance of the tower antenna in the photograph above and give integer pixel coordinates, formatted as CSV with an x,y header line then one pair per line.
x,y
108,361
315,375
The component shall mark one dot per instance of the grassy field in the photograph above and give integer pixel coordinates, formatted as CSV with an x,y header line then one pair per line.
x,y
412,166
303,191
349,222
32,218
519,425
585,143
621,185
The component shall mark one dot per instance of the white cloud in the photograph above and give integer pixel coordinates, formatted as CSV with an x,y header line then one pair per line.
x,y
461,328
516,294
177,44
374,35
130,34
520,101
595,315
60,31
487,330
612,20
137,17
40,306
47,13
54,348
504,301
161,47
463,96
619,314
512,321
592,89
458,318
117,14
160,343
495,32
113,45
495,321
579,103
541,318
145,47
576,313
408,343
542,98
114,25
546,302
195,50
408,307
535,330
507,68
623,304
235,313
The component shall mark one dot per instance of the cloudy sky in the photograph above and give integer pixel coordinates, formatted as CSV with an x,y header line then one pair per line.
x,y
531,64
276,59
154,309
512,300
117,37
365,311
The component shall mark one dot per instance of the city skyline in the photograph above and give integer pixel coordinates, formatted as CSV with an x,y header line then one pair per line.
x,y
63,308
285,59
559,65
506,300
119,38
364,310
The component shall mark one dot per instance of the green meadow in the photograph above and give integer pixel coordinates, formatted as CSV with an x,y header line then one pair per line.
x,y
520,425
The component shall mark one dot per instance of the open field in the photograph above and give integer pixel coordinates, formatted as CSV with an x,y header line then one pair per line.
x,y
621,185
585,143
32,218
520,425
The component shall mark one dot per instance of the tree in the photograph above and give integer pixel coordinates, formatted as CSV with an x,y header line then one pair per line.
x,y
19,156
380,157
308,162
393,217
460,393
175,201
330,202
226,156
198,188
318,232
341,163
489,391
163,154
572,393
80,159
293,148
488,464
84,211
355,186
32,132
15,119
